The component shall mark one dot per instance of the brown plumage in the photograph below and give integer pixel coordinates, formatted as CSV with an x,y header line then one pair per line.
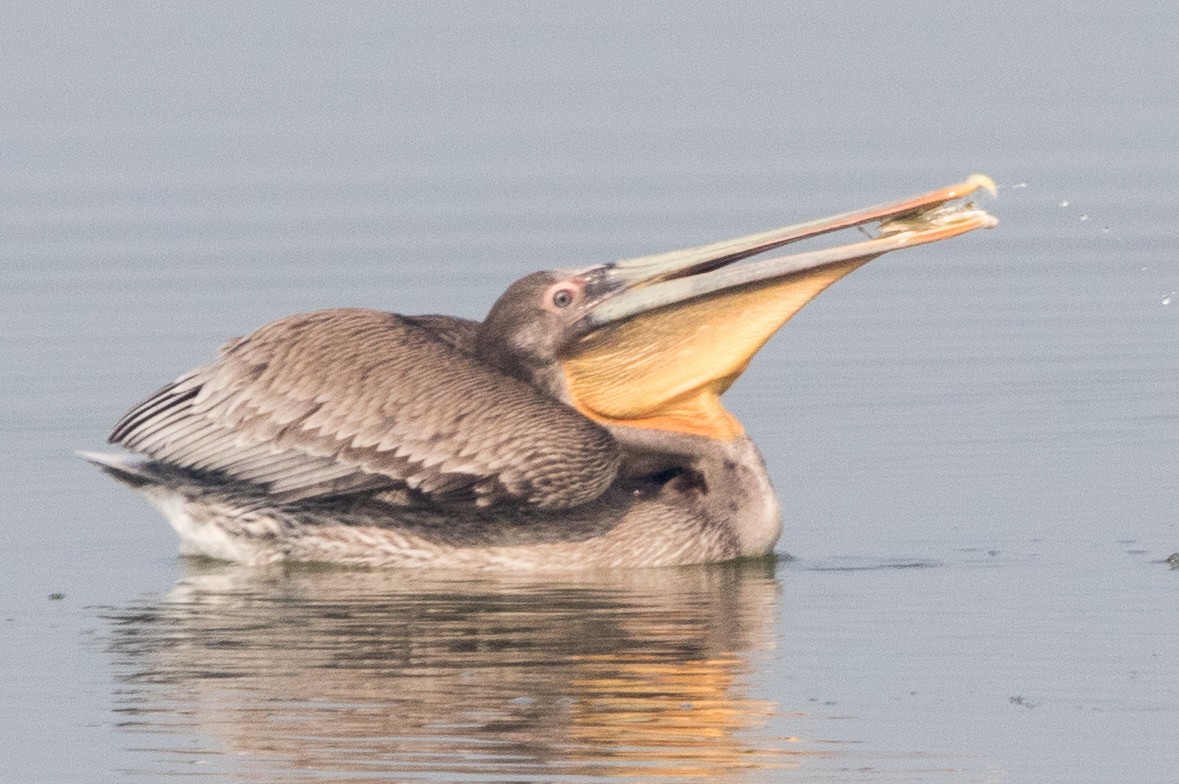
x,y
349,400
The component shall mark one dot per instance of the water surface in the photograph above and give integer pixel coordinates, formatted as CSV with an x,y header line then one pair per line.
x,y
975,443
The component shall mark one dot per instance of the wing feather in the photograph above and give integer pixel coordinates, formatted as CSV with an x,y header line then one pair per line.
x,y
352,400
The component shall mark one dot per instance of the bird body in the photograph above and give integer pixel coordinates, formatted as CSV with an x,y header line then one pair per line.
x,y
578,426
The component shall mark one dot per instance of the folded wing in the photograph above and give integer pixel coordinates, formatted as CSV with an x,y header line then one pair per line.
x,y
348,400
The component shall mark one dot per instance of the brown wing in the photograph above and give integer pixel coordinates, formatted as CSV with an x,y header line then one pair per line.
x,y
346,400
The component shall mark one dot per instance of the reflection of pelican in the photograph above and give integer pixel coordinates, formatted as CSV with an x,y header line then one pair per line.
x,y
639,674
579,424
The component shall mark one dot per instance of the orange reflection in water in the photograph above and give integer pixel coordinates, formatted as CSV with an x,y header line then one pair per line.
x,y
315,672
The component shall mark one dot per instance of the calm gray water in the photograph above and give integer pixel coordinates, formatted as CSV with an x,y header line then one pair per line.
x,y
975,443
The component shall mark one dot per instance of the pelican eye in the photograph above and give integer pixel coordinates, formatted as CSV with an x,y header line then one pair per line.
x,y
562,298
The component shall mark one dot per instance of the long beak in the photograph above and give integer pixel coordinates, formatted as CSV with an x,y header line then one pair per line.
x,y
649,282
679,328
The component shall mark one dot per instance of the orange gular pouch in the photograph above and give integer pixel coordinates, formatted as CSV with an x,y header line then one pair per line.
x,y
666,368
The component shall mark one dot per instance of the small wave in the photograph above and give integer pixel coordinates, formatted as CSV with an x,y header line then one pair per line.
x,y
861,564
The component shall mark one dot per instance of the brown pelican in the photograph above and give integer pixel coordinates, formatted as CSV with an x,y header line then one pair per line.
x,y
578,425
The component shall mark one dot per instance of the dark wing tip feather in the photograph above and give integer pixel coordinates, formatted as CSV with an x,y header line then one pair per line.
x,y
167,397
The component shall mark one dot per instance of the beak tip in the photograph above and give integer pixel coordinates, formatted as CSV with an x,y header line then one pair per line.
x,y
979,181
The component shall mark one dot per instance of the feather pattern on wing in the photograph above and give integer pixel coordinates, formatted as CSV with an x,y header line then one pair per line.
x,y
349,400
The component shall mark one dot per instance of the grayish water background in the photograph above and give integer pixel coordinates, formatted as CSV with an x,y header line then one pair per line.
x,y
975,443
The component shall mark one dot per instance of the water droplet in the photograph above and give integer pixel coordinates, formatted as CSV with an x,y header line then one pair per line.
x,y
1020,185
1084,217
1064,203
1167,299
